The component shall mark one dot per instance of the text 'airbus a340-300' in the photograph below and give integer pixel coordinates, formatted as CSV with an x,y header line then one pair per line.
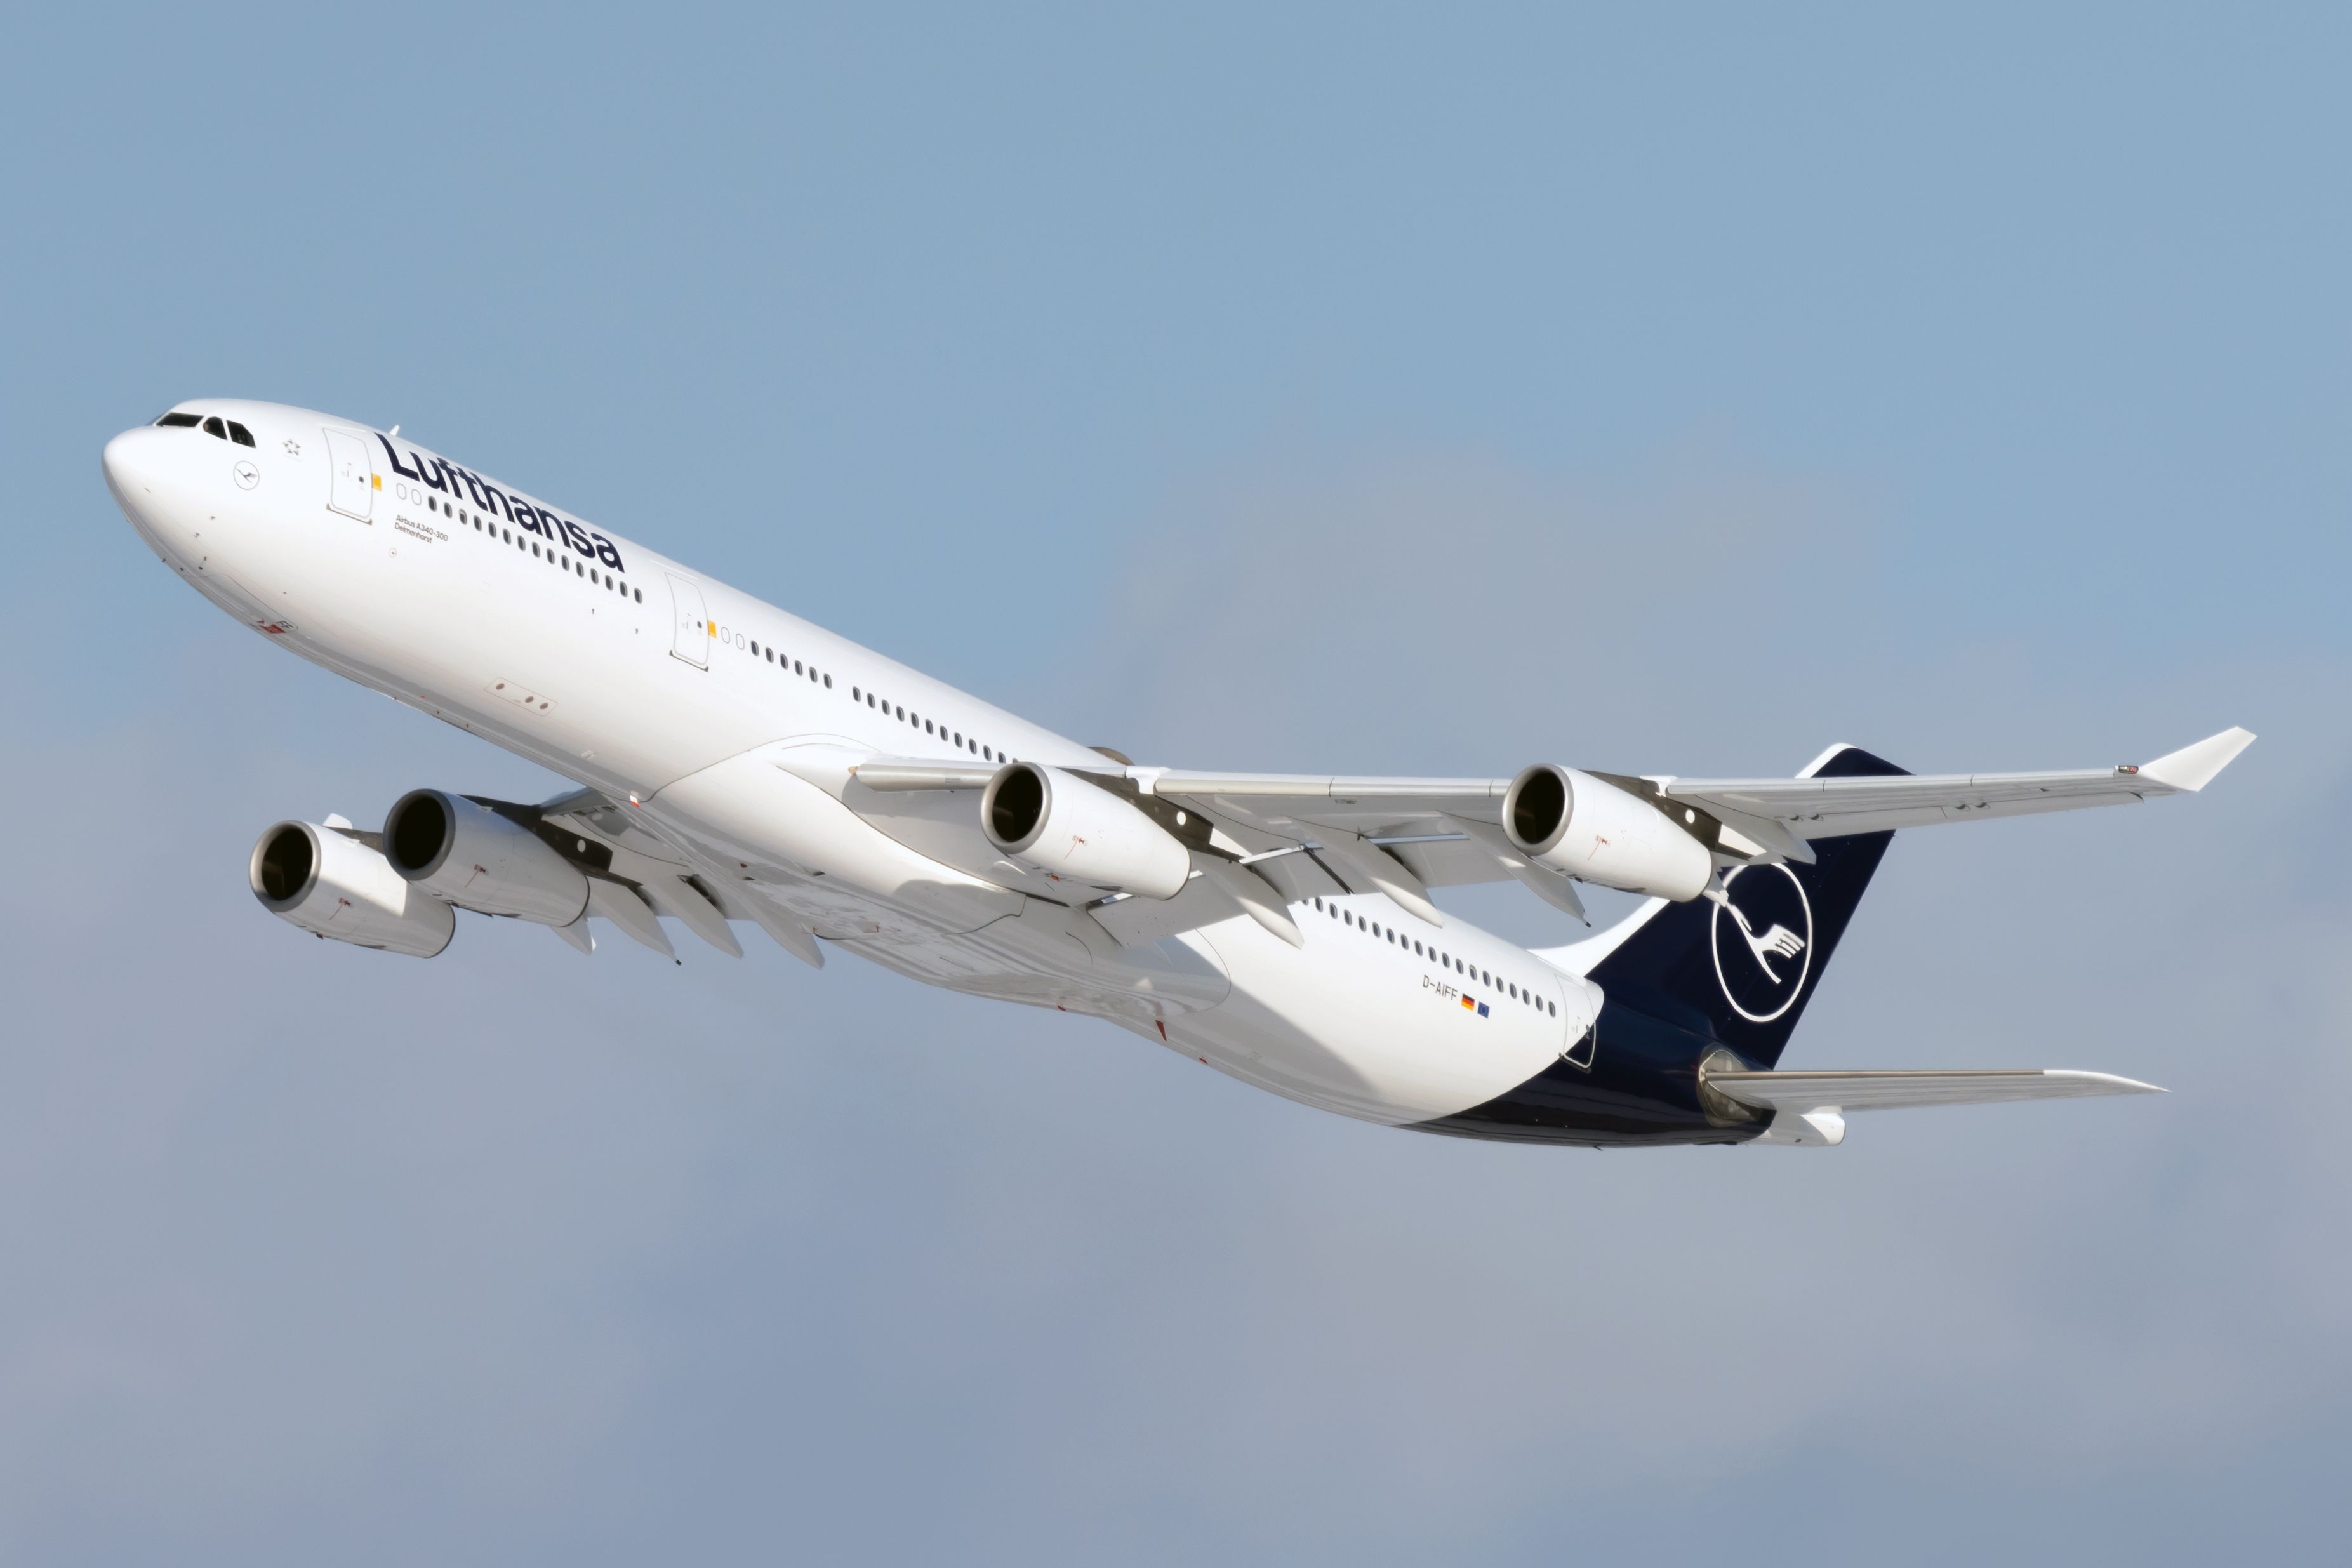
x,y
736,764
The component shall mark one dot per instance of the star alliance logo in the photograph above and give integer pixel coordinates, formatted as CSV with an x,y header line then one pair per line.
x,y
1773,921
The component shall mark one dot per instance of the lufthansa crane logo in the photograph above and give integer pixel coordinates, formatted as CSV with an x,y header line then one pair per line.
x,y
1762,968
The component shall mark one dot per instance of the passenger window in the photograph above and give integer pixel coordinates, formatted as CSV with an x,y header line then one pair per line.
x,y
239,433
177,421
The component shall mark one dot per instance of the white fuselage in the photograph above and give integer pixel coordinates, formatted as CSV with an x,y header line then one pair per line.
x,y
730,725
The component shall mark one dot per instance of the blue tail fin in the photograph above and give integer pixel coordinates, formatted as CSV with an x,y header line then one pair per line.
x,y
1741,973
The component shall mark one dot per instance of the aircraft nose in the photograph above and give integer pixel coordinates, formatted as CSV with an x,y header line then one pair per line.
x,y
144,469
131,466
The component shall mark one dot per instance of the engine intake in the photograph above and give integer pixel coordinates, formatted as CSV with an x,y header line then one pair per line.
x,y
461,851
331,885
1066,827
1592,830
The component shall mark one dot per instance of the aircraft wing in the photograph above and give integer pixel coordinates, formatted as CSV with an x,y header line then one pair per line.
x,y
1306,836
1806,807
1311,834
1826,808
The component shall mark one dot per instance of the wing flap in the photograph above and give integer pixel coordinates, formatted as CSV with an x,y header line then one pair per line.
x,y
1317,786
893,774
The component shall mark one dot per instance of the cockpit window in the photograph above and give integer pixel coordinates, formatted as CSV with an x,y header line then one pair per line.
x,y
213,425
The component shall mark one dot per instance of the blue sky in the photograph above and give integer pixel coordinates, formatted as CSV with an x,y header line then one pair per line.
x,y
1675,392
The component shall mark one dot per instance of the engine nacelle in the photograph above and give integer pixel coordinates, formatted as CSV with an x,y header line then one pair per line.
x,y
468,855
336,887
1591,829
1063,826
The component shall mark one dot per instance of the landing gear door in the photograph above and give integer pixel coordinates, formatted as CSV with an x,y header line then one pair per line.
x,y
352,490
690,625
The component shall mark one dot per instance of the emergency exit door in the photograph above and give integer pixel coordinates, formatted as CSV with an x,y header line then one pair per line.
x,y
351,489
690,626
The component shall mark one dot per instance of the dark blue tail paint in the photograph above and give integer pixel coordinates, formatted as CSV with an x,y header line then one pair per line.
x,y
1697,978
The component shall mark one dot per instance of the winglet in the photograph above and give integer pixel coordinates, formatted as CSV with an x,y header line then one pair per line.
x,y
2193,767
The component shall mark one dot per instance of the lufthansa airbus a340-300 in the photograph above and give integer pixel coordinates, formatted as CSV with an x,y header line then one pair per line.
x,y
737,764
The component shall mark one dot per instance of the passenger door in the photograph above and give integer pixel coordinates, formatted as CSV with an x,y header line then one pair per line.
x,y
352,492
690,625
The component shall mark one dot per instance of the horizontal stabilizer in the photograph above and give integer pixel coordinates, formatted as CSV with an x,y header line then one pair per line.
x,y
1804,1092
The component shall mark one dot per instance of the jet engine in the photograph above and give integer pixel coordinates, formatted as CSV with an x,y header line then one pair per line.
x,y
333,885
1067,827
464,853
1595,831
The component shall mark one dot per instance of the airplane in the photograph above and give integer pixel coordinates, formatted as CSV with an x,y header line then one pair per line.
x,y
737,764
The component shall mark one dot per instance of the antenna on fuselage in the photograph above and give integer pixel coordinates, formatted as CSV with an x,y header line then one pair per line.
x,y
395,429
